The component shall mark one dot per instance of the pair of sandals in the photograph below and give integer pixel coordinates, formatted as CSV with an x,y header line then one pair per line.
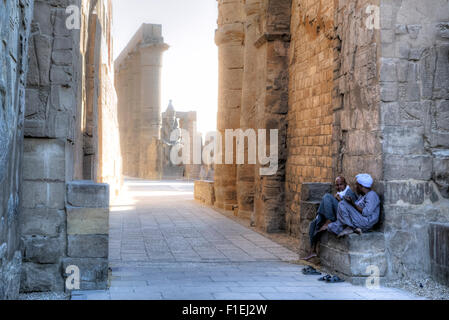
x,y
331,279
328,278
310,271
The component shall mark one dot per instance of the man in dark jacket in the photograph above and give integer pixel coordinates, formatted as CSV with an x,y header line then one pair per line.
x,y
327,213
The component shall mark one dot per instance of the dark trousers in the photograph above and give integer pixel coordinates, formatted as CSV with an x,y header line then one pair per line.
x,y
326,211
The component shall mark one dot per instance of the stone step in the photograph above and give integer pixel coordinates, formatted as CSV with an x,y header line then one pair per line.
x,y
354,257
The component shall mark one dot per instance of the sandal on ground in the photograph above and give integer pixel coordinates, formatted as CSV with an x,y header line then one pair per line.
x,y
325,278
335,279
310,271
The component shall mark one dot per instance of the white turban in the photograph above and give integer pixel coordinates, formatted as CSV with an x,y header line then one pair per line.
x,y
365,180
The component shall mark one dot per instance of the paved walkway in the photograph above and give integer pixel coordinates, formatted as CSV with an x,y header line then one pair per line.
x,y
163,245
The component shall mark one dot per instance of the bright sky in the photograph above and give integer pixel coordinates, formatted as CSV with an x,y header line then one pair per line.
x,y
190,69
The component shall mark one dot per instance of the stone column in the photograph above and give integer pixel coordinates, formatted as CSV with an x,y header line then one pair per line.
x,y
140,103
271,110
245,172
229,39
150,112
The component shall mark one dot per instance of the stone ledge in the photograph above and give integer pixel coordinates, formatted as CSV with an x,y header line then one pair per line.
x,y
351,256
87,194
204,192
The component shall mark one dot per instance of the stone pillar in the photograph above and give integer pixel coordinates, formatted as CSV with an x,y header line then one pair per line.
x,y
271,111
150,112
229,39
140,104
246,172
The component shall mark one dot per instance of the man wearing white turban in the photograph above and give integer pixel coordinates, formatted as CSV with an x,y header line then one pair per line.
x,y
361,215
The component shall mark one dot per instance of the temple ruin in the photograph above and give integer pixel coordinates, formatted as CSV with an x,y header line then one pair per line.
x,y
348,94
351,87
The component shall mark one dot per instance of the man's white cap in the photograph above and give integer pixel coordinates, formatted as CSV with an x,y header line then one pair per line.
x,y
365,180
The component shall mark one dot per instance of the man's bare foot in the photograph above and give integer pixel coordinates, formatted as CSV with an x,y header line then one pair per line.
x,y
358,231
346,232
310,256
324,227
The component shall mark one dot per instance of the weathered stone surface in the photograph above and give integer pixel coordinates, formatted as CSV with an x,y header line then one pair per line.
x,y
314,191
87,221
41,277
43,194
42,249
204,192
414,132
68,70
353,255
87,246
87,194
15,20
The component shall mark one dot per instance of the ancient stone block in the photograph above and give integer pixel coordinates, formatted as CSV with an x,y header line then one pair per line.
x,y
87,194
81,221
403,140
389,92
43,194
43,47
354,256
62,57
204,191
388,70
41,278
403,167
88,246
41,249
42,221
314,191
412,192
44,160
61,75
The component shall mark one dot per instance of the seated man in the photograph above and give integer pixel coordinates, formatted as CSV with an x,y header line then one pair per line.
x,y
361,215
327,213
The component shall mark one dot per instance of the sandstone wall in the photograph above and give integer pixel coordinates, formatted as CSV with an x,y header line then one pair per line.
x,y
310,114
414,85
15,20
66,113
356,143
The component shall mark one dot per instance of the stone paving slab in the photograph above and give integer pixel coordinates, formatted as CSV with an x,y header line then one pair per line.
x,y
170,247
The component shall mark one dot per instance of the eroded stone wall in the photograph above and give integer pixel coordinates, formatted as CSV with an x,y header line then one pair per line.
x,y
66,114
15,21
414,84
310,114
